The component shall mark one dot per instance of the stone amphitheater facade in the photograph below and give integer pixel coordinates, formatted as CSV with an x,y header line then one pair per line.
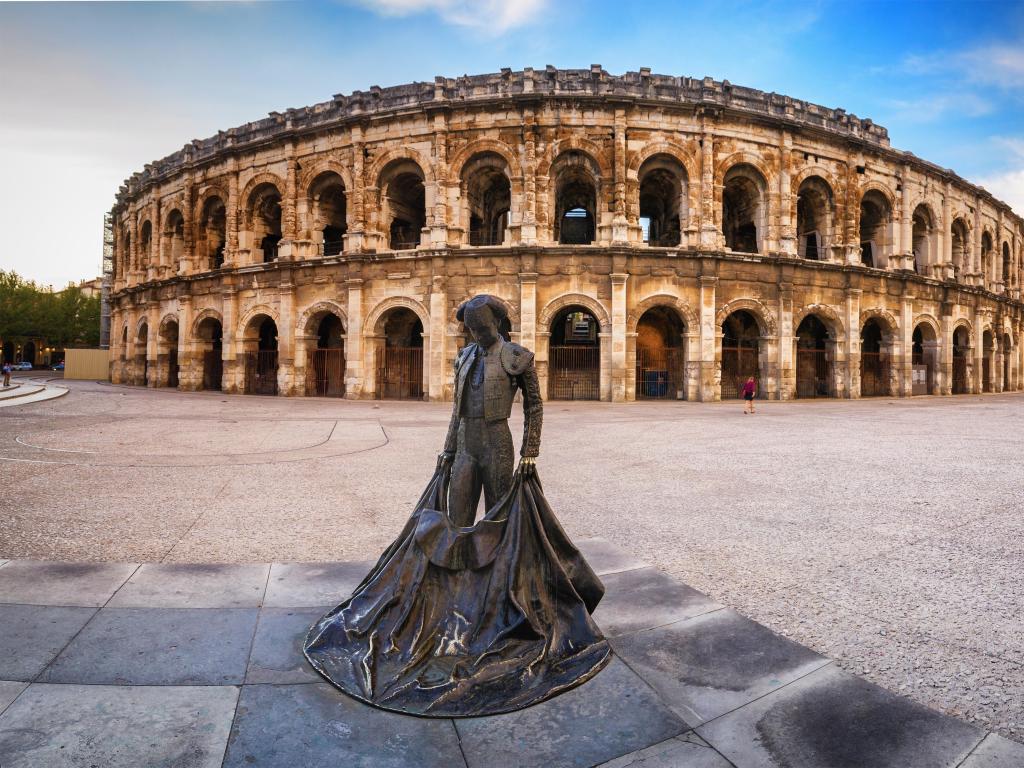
x,y
651,236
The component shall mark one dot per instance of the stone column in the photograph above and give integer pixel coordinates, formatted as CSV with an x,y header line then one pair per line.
x,y
528,310
438,216
977,276
945,243
289,218
710,236
977,380
185,266
355,235
286,383
156,230
620,226
438,373
187,375
906,249
851,208
231,217
853,296
905,386
355,371
787,231
787,363
528,232
232,377
618,342
153,344
710,373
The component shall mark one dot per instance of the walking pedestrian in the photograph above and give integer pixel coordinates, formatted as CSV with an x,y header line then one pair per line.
x,y
7,374
749,390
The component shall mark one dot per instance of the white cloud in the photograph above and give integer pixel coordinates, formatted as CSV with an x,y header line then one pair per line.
x,y
927,109
996,64
1008,187
494,15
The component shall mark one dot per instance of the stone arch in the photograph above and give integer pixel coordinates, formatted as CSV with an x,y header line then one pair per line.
x,y
829,316
595,307
205,314
742,157
246,320
813,212
321,166
373,326
808,171
671,148
766,323
311,312
245,198
209,191
482,146
885,318
170,317
963,322
689,316
142,321
578,144
400,153
882,189
929,320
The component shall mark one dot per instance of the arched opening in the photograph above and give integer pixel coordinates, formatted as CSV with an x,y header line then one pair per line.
x,y
959,239
986,259
961,355
265,215
405,208
210,338
814,218
574,356
174,237
660,355
169,352
1007,357
328,205
487,195
260,345
663,202
875,229
924,359
576,185
743,209
400,360
988,348
212,235
1006,267
874,361
28,352
922,237
741,338
325,366
146,244
813,359
141,356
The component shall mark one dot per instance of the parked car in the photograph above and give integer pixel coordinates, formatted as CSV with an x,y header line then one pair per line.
x,y
24,365
58,367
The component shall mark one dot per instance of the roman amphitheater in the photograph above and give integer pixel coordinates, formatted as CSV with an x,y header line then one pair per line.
x,y
651,237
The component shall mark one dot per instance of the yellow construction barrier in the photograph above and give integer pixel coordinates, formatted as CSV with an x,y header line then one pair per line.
x,y
87,364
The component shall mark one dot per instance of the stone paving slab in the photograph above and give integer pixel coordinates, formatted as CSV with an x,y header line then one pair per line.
x,y
610,715
831,718
39,582
75,726
756,698
711,664
313,585
688,751
277,648
644,598
183,585
9,691
285,726
158,646
31,636
995,752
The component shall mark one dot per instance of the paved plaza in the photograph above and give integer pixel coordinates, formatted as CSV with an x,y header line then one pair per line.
x,y
885,534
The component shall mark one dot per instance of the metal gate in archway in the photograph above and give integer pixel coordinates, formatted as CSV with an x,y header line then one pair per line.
x,y
959,375
813,373
213,369
659,373
874,375
400,373
261,372
986,373
325,373
738,365
574,373
172,367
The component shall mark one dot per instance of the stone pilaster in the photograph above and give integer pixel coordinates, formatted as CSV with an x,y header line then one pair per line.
x,y
853,296
286,383
786,341
438,372
355,368
618,342
710,372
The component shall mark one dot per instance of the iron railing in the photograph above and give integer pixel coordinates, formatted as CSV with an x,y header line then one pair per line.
x,y
738,365
813,373
325,373
959,374
400,373
261,372
874,375
574,373
213,369
659,373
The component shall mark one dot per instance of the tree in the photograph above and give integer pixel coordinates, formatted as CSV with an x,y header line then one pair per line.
x,y
62,319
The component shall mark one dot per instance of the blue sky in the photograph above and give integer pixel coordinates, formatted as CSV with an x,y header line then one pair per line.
x,y
90,92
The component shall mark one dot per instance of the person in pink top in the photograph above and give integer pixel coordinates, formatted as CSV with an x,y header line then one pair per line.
x,y
749,390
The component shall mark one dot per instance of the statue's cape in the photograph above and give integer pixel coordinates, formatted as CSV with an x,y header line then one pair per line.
x,y
457,622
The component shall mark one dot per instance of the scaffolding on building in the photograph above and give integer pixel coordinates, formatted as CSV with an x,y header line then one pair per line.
x,y
108,278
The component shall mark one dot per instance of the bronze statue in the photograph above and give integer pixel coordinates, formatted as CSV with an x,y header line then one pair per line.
x,y
479,443
457,619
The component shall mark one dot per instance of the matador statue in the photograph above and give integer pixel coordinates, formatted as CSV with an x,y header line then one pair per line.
x,y
488,372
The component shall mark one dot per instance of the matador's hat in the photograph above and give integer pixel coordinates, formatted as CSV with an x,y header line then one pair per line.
x,y
479,302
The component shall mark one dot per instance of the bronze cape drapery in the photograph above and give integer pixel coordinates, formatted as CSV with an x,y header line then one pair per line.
x,y
459,622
